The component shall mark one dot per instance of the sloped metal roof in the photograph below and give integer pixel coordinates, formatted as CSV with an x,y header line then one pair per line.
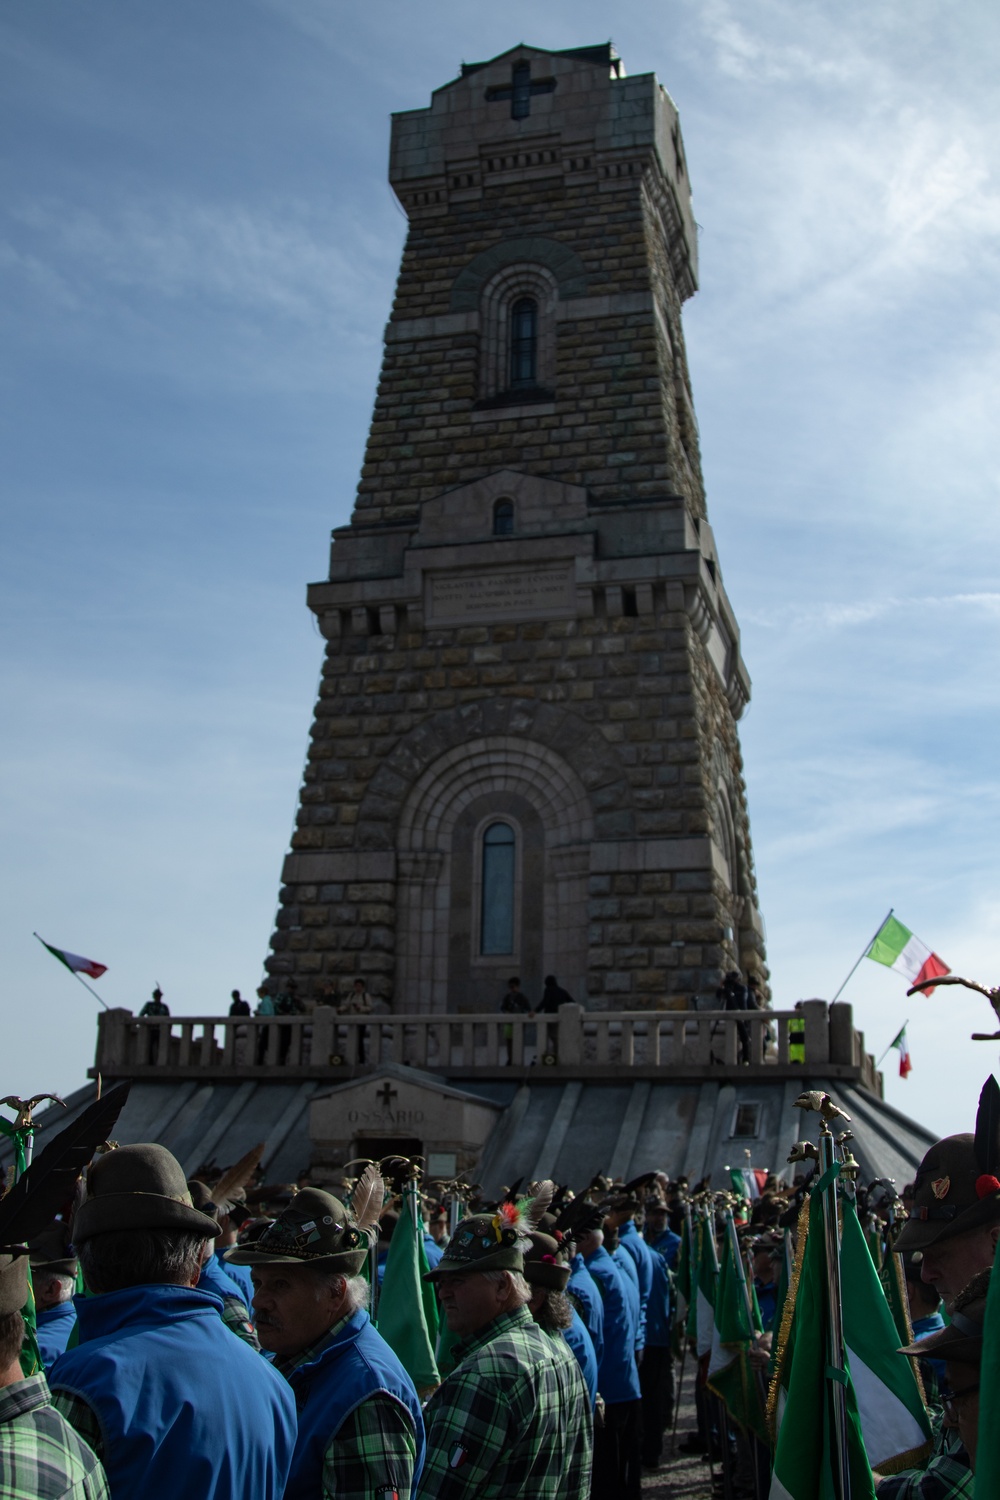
x,y
564,1130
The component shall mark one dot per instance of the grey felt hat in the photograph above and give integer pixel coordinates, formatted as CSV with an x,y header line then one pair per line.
x,y
138,1187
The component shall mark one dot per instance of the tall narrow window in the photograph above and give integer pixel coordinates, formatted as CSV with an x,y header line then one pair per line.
x,y
524,343
503,518
497,916
520,93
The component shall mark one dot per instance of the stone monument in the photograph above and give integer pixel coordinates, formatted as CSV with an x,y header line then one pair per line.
x,y
524,759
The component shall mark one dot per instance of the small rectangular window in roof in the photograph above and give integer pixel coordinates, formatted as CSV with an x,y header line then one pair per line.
x,y
746,1119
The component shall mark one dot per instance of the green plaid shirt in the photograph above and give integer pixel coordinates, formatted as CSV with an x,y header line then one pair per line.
x,y
372,1454
947,1476
41,1457
512,1419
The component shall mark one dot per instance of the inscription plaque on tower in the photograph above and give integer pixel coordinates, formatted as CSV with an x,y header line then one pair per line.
x,y
517,593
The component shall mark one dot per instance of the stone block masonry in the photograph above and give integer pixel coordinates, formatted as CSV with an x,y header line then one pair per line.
x,y
524,757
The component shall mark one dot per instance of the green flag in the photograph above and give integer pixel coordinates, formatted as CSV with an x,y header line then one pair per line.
x,y
737,1323
803,1459
988,1444
707,1275
894,1285
403,1304
894,1424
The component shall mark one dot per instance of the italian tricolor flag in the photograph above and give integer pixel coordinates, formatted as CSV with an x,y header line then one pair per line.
x,y
749,1182
74,962
895,946
903,1048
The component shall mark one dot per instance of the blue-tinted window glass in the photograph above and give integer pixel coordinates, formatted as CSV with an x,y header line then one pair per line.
x,y
520,94
503,518
523,343
497,918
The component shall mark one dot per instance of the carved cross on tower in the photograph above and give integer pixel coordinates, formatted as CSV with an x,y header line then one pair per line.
x,y
385,1095
520,90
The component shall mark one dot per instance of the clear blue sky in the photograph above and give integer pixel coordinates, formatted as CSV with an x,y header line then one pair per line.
x,y
198,248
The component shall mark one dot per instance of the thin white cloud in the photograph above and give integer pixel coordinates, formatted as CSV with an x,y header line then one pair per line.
x,y
288,259
837,615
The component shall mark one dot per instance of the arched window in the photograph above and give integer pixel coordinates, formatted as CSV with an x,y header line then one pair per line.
x,y
524,344
503,518
497,917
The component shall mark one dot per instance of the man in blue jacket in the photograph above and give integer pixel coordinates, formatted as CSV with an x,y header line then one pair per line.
x,y
617,1467
53,1281
361,1432
150,1384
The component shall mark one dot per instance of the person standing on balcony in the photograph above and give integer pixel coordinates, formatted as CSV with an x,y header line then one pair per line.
x,y
513,1003
265,1007
358,1003
238,1006
735,996
287,1003
154,1006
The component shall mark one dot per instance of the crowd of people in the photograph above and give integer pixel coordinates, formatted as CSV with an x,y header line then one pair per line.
x,y
221,1336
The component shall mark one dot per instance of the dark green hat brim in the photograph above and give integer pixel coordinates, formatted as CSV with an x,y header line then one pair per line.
x,y
505,1259
109,1213
920,1234
347,1262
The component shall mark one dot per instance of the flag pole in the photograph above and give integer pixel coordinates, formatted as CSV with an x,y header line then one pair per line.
x,y
863,954
830,1168
74,973
892,1044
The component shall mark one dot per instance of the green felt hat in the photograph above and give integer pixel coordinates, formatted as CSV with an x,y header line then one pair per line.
x,y
51,1250
953,1193
13,1278
542,1264
138,1187
482,1242
315,1229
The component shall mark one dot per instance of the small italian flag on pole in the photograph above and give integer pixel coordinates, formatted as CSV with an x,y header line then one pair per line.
x,y
902,1047
895,946
73,962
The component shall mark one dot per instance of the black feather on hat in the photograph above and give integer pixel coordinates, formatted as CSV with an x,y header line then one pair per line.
x,y
42,1190
987,1138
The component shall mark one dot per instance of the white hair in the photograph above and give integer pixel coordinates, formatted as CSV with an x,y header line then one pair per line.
x,y
356,1288
67,1284
517,1286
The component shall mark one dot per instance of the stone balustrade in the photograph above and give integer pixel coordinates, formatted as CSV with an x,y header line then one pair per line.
x,y
816,1039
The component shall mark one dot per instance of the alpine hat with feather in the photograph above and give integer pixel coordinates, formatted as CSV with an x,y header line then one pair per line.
x,y
493,1242
957,1186
543,1264
316,1229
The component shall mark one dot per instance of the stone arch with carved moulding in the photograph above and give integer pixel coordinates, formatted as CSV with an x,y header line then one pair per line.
x,y
499,294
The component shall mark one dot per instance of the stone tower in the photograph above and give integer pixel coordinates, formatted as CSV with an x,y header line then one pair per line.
x,y
524,757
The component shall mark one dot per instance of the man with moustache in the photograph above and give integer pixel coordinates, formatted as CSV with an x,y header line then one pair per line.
x,y
360,1433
